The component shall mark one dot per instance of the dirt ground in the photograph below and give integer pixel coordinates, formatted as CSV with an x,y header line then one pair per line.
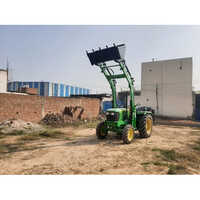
x,y
170,150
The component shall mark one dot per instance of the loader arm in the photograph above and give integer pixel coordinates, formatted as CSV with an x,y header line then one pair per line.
x,y
112,83
116,54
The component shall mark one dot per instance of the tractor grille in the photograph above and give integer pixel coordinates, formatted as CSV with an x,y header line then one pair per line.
x,y
112,116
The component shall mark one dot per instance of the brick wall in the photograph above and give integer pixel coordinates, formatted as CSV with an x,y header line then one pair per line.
x,y
34,108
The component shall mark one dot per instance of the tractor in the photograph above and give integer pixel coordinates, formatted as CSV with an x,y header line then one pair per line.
x,y
124,121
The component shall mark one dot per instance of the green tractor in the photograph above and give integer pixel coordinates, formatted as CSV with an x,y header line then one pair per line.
x,y
123,121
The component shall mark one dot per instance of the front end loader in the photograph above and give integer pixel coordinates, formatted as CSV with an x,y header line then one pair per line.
x,y
123,121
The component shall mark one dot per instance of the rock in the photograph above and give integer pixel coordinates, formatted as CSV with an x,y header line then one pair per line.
x,y
10,125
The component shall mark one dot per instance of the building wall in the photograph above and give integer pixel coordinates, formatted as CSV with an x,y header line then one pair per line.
x,y
48,89
3,81
34,108
167,87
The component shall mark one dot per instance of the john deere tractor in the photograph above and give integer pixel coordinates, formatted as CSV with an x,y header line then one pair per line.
x,y
123,121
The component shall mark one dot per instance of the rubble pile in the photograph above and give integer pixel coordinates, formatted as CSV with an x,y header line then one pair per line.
x,y
53,119
17,124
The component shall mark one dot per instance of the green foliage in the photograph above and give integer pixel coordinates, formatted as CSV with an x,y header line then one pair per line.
x,y
157,163
169,155
49,133
145,163
176,169
196,146
16,132
12,147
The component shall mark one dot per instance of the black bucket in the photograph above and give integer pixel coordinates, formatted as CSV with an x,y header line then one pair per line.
x,y
108,54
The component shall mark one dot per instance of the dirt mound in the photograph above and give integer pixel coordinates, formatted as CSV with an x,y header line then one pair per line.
x,y
10,125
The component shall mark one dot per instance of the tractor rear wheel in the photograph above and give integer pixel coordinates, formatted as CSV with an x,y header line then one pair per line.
x,y
128,134
145,125
101,130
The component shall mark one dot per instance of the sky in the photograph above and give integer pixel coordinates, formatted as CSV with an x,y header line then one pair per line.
x,y
57,53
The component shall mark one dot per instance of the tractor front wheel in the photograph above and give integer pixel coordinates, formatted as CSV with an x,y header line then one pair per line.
x,y
145,125
128,134
101,130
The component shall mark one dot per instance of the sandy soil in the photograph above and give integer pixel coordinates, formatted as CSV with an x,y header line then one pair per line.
x,y
79,152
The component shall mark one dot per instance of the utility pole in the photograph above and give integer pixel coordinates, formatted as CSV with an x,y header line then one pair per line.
x,y
157,107
7,70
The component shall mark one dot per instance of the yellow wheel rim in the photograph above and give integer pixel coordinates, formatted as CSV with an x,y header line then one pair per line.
x,y
130,134
148,125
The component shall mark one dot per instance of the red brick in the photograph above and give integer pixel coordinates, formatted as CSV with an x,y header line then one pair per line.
x,y
31,108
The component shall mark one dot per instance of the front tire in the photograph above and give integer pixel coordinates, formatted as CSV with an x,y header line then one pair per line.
x,y
128,134
145,126
101,130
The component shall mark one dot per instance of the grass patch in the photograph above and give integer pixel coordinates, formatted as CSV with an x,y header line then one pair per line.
x,y
176,169
1,135
145,163
16,132
196,146
49,133
92,124
6,148
195,132
12,133
29,137
181,160
68,138
157,163
168,155
83,124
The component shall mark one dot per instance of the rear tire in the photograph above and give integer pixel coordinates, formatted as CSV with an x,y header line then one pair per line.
x,y
101,130
128,134
145,125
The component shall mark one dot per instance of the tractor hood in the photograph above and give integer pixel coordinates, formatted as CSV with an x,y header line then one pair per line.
x,y
116,110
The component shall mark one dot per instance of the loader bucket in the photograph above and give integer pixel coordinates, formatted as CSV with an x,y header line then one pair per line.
x,y
108,54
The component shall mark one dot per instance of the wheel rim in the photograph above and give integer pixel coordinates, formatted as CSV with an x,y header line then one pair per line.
x,y
130,134
148,125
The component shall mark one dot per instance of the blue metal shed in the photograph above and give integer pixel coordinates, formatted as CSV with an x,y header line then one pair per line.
x,y
107,105
36,84
55,89
80,91
61,90
76,90
30,84
67,90
48,89
71,90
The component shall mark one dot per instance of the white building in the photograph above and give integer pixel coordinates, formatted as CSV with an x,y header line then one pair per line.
x,y
167,87
3,80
